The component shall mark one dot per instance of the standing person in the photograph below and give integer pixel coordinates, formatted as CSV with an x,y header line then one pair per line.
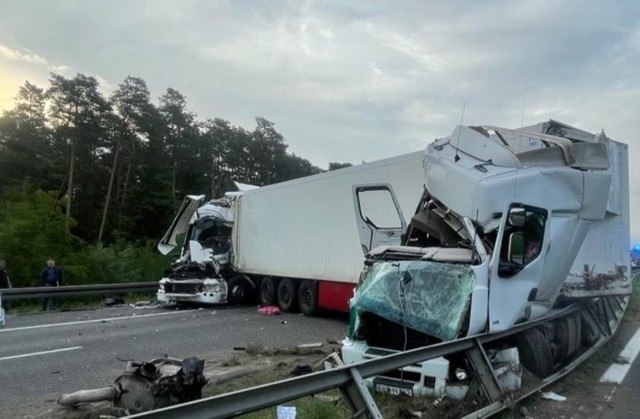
x,y
51,277
4,282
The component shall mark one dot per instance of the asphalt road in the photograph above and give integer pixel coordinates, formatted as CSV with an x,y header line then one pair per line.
x,y
622,400
44,355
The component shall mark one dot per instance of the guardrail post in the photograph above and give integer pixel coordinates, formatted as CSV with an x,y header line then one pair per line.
x,y
358,397
484,372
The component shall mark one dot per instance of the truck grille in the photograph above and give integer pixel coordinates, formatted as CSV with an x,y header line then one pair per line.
x,y
382,333
182,288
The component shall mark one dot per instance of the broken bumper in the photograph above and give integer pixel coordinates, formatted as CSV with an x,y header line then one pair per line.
x,y
427,378
200,297
207,291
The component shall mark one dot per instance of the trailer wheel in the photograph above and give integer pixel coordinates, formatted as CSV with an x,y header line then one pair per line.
x,y
240,290
287,296
267,291
535,352
568,337
308,297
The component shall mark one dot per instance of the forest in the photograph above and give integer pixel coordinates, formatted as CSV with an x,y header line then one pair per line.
x,y
93,181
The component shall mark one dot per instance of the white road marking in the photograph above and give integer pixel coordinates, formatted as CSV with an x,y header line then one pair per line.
x,y
617,371
73,348
107,320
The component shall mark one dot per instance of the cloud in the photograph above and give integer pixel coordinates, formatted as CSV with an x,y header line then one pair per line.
x,y
30,57
353,81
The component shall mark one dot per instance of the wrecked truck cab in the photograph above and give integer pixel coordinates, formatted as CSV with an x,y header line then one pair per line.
x,y
202,274
542,214
412,297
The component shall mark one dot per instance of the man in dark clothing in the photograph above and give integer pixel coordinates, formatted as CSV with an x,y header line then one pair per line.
x,y
51,277
4,279
4,282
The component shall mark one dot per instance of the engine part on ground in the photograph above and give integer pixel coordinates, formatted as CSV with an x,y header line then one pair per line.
x,y
90,396
149,385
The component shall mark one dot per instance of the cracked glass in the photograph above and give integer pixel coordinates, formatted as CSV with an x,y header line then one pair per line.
x,y
430,297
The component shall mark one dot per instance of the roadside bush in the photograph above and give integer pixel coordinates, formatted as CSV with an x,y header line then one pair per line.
x,y
33,228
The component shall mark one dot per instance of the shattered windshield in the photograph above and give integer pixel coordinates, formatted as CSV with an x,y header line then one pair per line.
x,y
430,297
213,233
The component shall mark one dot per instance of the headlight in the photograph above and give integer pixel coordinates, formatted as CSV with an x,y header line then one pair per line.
x,y
461,374
211,286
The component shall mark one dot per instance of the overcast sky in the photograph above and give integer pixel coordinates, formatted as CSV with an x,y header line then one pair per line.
x,y
349,81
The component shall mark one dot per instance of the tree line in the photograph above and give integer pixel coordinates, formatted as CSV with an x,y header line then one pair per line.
x,y
78,168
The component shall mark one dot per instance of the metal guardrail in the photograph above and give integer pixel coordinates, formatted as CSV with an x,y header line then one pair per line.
x,y
605,313
77,290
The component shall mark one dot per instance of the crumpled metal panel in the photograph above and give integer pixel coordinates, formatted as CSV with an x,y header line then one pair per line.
x,y
433,298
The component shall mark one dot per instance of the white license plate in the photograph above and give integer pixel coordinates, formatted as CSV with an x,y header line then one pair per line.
x,y
392,387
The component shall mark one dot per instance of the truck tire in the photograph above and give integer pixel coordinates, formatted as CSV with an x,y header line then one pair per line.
x,y
535,352
308,297
267,291
287,296
239,291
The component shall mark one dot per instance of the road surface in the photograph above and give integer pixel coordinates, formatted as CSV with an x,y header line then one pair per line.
x,y
44,355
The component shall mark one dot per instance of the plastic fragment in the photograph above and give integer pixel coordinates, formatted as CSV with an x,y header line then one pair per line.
x,y
550,395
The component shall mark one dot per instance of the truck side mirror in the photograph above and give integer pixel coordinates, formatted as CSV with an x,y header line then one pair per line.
x,y
516,217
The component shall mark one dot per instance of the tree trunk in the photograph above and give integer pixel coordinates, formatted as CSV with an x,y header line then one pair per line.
x,y
106,201
213,177
175,175
72,161
128,175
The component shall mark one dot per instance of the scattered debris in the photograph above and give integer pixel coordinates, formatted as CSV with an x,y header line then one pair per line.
x,y
550,395
301,370
524,412
326,397
113,301
331,361
269,311
310,345
147,385
286,412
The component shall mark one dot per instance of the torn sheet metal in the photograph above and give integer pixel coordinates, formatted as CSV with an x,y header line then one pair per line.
x,y
430,297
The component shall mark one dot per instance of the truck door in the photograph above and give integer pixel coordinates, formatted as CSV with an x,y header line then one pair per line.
x,y
180,224
517,265
379,219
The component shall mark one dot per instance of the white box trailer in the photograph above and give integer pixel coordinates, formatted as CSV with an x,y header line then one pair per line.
x,y
299,243
306,229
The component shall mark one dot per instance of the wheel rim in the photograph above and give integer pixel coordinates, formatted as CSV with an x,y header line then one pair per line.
x,y
285,295
307,298
238,293
267,292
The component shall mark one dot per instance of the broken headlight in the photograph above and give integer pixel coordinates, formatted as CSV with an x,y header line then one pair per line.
x,y
211,286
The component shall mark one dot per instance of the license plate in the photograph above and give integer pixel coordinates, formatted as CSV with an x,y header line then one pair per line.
x,y
393,387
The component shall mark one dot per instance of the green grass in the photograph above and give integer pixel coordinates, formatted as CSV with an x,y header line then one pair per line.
x,y
633,309
310,408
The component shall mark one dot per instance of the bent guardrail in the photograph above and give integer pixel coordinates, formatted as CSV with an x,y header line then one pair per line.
x,y
605,313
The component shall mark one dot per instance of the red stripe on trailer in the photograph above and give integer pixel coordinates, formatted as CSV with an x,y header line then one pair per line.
x,y
335,295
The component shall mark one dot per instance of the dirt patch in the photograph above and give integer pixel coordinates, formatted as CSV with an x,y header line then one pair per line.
x,y
247,367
